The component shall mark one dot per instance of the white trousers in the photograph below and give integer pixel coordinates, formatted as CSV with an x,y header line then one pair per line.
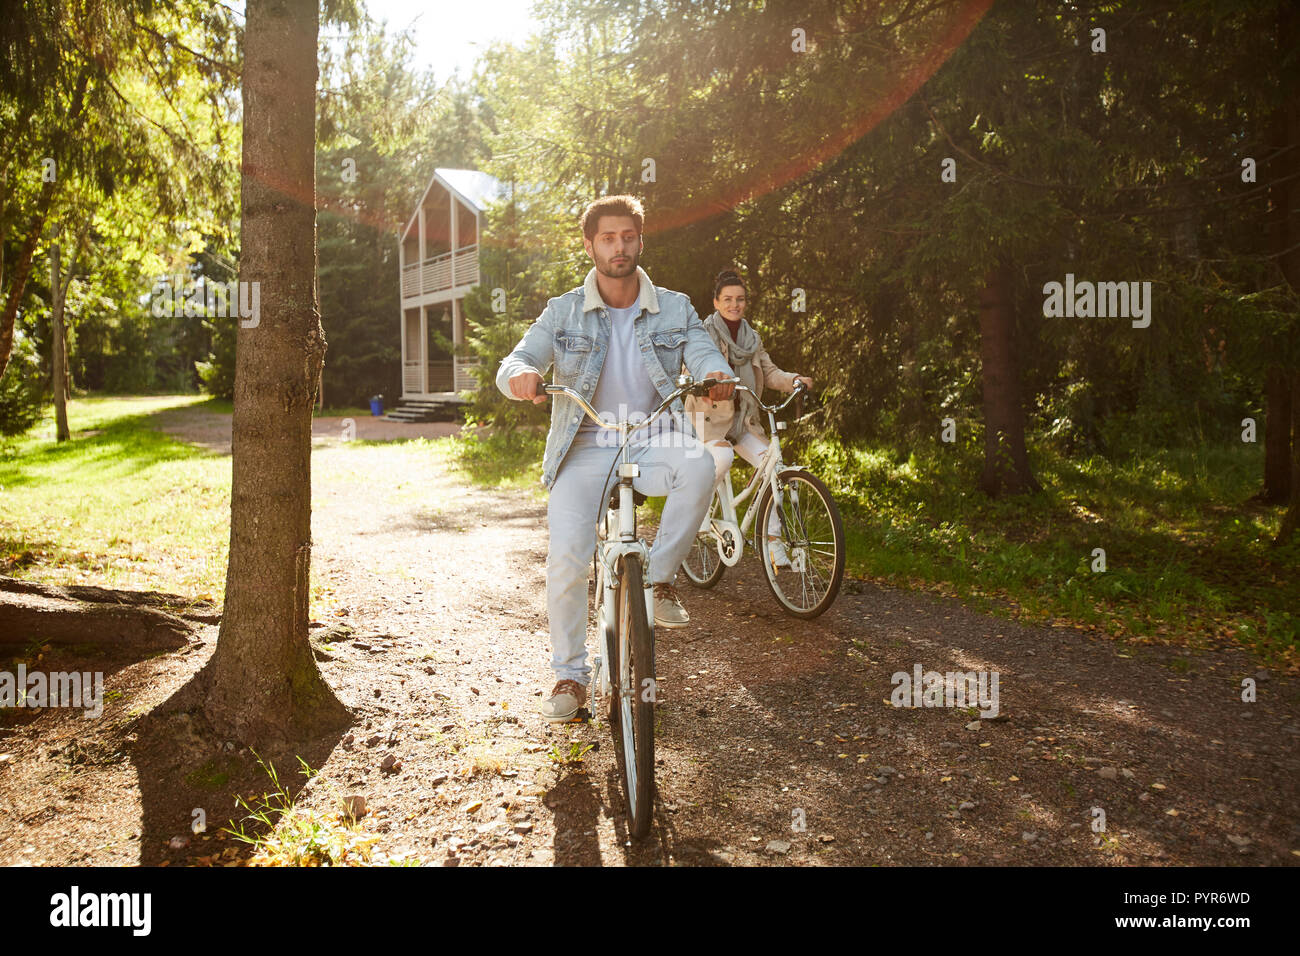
x,y
751,448
676,467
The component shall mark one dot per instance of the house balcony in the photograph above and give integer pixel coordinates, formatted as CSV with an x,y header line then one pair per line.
x,y
451,270
445,377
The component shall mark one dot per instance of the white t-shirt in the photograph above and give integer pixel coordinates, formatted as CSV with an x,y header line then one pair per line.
x,y
624,389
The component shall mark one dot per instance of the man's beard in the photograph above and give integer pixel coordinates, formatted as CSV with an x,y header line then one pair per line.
x,y
619,270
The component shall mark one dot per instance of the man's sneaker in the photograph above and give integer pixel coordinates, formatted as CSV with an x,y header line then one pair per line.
x,y
668,607
777,555
567,696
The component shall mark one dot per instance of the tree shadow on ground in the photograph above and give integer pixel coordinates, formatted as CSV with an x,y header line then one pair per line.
x,y
187,770
1170,728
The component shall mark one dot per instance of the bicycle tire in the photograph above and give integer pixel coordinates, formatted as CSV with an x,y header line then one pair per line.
x,y
609,664
632,716
702,565
825,572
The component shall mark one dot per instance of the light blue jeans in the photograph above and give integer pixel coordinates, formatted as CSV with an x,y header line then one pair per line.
x,y
679,468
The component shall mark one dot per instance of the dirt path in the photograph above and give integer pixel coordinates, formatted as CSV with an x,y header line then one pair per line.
x,y
777,743
211,431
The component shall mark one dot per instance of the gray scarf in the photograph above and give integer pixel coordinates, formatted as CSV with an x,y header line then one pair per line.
x,y
740,353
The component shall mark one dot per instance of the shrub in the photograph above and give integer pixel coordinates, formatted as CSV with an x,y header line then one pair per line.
x,y
21,402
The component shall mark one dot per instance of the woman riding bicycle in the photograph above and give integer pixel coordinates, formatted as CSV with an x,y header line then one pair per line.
x,y
720,425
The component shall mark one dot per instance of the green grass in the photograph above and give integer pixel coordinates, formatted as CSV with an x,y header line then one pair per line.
x,y
225,406
284,834
1188,557
501,459
344,412
123,504
120,504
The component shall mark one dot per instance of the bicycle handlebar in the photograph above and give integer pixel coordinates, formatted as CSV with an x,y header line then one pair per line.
x,y
687,387
799,387
700,388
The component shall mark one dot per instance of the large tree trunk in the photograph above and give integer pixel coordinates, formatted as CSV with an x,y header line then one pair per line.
x,y
263,684
4,196
60,357
1289,252
1277,436
1006,465
1291,520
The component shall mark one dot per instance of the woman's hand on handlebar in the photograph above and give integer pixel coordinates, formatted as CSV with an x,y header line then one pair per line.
x,y
805,381
528,386
720,393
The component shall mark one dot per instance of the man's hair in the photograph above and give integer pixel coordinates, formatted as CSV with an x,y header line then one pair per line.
x,y
612,206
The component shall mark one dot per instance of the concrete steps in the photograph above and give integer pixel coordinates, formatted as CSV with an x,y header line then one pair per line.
x,y
412,410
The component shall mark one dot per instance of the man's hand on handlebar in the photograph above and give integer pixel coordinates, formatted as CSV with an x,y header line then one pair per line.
x,y
804,380
720,393
528,386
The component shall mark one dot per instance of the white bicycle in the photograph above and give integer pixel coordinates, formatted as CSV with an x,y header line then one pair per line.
x,y
803,564
623,669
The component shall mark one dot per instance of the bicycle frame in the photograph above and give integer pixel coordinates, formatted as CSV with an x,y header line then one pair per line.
x,y
753,493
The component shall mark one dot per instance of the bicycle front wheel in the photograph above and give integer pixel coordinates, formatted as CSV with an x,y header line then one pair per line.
x,y
803,564
633,669
702,566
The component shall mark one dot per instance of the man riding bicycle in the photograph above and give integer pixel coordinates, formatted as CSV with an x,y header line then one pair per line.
x,y
620,341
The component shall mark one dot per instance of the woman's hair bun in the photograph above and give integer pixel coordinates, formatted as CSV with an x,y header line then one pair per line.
x,y
725,278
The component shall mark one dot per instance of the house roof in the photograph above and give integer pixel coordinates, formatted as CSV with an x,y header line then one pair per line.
x,y
476,188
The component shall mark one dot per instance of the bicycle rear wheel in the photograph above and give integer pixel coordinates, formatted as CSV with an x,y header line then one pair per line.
x,y
702,566
632,716
812,535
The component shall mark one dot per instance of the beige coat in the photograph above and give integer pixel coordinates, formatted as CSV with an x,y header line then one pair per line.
x,y
712,420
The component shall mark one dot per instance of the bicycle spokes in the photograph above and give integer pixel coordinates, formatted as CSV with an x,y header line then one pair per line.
x,y
804,562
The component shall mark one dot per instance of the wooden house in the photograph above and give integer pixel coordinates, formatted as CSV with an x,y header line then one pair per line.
x,y
439,263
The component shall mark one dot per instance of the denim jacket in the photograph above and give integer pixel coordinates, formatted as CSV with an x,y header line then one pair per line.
x,y
572,333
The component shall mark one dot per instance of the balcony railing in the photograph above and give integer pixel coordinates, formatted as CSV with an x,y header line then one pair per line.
x,y
465,380
411,378
445,375
437,274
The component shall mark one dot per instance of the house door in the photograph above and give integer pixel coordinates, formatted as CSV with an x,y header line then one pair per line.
x,y
411,384
441,367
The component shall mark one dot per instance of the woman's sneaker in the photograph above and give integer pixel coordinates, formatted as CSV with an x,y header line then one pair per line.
x,y
567,697
777,555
